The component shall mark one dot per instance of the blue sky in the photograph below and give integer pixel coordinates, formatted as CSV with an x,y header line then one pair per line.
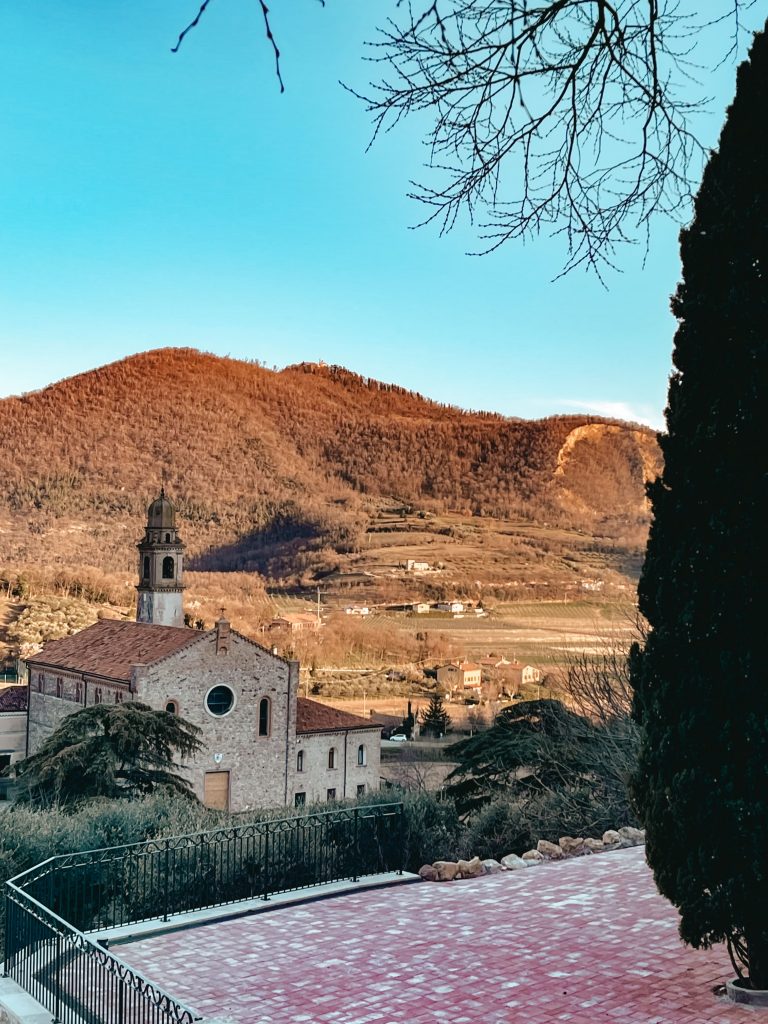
x,y
150,199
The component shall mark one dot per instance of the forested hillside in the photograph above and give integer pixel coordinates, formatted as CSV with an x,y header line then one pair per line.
x,y
266,464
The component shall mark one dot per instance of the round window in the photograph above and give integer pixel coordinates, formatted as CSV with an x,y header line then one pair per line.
x,y
220,700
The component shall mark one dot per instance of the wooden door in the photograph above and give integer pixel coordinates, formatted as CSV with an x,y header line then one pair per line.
x,y
217,790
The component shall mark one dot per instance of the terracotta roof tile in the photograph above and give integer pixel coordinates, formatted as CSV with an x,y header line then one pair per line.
x,y
110,648
13,698
314,717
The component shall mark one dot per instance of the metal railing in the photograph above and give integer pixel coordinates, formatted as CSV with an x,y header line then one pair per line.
x,y
50,907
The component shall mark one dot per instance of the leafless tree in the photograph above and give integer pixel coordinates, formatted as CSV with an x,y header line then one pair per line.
x,y
571,116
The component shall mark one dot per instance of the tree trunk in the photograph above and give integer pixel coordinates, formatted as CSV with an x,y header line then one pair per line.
x,y
757,948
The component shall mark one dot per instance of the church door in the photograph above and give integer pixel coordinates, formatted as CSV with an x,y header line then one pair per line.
x,y
217,790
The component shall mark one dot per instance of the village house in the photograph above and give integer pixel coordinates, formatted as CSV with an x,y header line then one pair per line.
x,y
295,622
518,674
263,745
413,565
13,731
461,677
420,607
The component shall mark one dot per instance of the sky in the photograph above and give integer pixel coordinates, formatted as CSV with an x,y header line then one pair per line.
x,y
151,199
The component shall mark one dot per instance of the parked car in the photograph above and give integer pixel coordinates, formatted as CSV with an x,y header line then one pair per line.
x,y
399,737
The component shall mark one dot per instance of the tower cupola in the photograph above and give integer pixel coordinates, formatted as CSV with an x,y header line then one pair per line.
x,y
161,554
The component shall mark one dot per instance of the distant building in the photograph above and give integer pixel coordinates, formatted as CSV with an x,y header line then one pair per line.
x,y
455,607
295,622
461,676
518,674
413,565
420,607
360,610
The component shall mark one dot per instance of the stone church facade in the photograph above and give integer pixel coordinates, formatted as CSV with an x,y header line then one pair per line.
x,y
263,745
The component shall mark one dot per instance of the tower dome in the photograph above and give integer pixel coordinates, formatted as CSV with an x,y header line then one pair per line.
x,y
161,514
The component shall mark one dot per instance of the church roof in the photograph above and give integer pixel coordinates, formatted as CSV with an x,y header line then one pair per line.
x,y
110,648
13,698
314,717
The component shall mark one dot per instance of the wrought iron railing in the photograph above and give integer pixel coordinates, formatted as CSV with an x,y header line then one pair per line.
x,y
50,907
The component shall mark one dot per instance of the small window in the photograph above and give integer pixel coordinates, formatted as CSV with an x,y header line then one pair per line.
x,y
220,700
330,794
361,789
332,757
59,686
167,538
168,568
118,697
299,799
172,707
78,692
361,754
300,761
97,695
145,572
264,716
41,683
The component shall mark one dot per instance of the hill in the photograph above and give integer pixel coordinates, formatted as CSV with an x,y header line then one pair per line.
x,y
287,472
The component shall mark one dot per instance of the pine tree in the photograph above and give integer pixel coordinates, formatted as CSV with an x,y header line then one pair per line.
x,y
436,719
700,690
111,750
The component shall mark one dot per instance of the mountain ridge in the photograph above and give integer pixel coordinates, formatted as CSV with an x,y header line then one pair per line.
x,y
268,467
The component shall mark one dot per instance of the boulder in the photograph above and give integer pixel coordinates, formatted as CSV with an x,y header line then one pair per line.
x,y
594,845
611,838
549,850
446,870
471,868
631,836
428,873
514,863
491,866
533,857
572,847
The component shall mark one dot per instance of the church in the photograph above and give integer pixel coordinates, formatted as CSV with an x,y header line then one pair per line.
x,y
263,744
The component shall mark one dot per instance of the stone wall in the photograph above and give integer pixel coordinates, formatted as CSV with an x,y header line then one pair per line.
x,y
317,778
47,710
258,765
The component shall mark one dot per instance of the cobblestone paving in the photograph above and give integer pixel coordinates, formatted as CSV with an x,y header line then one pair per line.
x,y
586,941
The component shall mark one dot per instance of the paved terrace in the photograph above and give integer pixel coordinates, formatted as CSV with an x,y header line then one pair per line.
x,y
588,941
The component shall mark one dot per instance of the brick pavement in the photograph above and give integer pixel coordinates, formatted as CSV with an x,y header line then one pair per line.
x,y
585,941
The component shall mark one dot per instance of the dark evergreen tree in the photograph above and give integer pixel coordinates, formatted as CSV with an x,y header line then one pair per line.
x,y
435,719
111,750
701,697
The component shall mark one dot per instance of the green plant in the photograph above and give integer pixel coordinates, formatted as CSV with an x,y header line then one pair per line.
x,y
700,697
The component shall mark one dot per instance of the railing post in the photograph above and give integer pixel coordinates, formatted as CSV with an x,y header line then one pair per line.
x,y
356,863
401,838
7,939
265,873
165,878
57,982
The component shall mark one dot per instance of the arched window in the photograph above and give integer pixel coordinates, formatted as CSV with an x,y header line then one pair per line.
x,y
59,686
167,568
332,757
40,682
172,707
145,573
78,692
167,538
300,761
264,716
97,695
118,697
361,754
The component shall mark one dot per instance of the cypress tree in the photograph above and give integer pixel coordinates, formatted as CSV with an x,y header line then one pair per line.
x,y
701,693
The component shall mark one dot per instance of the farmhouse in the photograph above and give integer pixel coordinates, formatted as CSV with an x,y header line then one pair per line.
x,y
295,622
518,673
263,745
462,676
455,607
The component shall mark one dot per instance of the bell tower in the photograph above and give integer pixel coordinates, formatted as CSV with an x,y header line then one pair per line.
x,y
160,567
